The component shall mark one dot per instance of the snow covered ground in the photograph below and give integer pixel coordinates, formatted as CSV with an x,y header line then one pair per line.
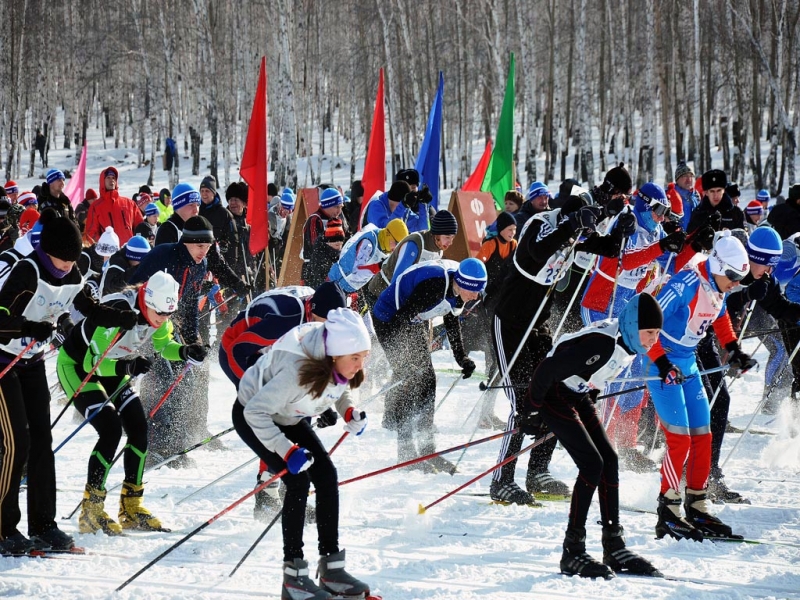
x,y
463,548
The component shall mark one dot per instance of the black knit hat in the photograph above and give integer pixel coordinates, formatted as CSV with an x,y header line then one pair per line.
x,y
164,193
197,230
209,183
650,315
444,223
398,191
505,219
410,176
328,297
356,189
620,179
715,178
272,189
60,237
145,189
564,191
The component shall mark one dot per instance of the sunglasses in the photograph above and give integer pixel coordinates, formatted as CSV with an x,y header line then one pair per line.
x,y
733,275
165,314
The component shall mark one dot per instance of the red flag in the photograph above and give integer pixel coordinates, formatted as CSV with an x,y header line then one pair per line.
x,y
75,189
374,177
254,166
474,182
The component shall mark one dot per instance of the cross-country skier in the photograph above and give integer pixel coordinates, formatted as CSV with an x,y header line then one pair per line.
x,y
311,368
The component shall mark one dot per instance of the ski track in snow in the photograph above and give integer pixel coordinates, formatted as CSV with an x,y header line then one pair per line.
x,y
463,548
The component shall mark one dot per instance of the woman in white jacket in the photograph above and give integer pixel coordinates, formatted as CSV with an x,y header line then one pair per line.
x,y
306,371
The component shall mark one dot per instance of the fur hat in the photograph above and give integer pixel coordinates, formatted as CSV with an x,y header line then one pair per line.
x,y
714,178
410,176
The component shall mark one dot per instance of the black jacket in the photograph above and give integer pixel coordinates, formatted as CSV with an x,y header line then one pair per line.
x,y
775,302
730,215
322,258
221,221
62,205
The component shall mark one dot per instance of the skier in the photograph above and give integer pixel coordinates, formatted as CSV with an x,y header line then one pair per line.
x,y
122,265
48,273
400,317
692,301
543,256
153,303
716,208
560,395
309,369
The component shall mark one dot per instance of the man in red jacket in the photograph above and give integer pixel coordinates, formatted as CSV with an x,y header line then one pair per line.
x,y
111,209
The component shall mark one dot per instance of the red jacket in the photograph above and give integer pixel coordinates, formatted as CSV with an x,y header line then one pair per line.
x,y
111,209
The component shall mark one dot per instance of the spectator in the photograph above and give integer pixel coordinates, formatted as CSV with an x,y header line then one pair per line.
x,y
112,210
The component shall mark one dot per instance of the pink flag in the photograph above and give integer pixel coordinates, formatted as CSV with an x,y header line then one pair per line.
x,y
75,189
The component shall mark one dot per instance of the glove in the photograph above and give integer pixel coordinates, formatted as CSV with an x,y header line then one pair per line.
x,y
327,418
614,206
703,239
355,422
194,354
411,201
626,224
792,313
242,289
739,362
127,319
674,242
38,330
467,368
593,394
715,221
298,460
424,194
63,330
530,423
584,218
132,367
757,290
205,287
669,373
670,226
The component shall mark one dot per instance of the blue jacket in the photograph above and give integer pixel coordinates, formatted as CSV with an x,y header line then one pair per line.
x,y
690,201
379,214
417,291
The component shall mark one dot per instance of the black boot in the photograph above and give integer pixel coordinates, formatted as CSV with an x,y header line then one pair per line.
x,y
575,560
670,522
719,493
406,451
622,560
427,445
697,513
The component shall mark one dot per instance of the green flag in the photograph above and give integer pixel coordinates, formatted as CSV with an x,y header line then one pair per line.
x,y
500,174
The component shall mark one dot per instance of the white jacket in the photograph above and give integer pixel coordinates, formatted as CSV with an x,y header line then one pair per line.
x,y
271,395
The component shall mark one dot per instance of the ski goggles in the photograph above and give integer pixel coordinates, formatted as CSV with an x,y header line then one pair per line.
x,y
734,275
659,209
165,313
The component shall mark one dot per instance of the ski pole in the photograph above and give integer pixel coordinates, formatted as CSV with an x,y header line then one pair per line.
x,y
275,519
423,509
383,390
205,313
169,391
217,480
87,378
452,387
198,529
758,409
16,359
420,459
750,308
160,464
589,267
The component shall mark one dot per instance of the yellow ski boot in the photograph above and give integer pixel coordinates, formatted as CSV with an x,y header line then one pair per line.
x,y
93,516
132,515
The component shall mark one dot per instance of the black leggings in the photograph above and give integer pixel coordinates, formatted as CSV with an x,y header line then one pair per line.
x,y
322,474
576,425
124,412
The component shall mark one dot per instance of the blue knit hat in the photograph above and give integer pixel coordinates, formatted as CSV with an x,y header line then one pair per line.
x,y
288,199
641,312
329,198
184,194
136,248
35,234
537,189
764,247
54,175
151,209
471,275
763,196
788,264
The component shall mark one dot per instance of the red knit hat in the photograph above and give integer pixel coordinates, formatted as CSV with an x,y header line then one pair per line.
x,y
90,194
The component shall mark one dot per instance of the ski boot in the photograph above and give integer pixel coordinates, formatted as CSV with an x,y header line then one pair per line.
x,y
407,451
697,513
297,583
334,579
719,493
670,522
543,484
427,446
93,516
16,544
268,501
621,560
52,539
510,493
636,461
132,515
575,560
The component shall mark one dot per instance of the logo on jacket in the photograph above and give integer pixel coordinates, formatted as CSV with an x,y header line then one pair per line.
x,y
593,360
40,300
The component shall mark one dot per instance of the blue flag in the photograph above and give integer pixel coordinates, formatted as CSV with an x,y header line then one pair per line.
x,y
428,160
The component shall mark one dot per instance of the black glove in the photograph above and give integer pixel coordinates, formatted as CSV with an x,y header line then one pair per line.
x,y
703,239
411,201
739,362
38,330
530,423
614,206
584,218
243,289
63,329
593,394
467,368
132,367
757,290
205,287
193,353
669,373
626,224
424,194
327,418
670,226
715,221
792,313
125,319
674,242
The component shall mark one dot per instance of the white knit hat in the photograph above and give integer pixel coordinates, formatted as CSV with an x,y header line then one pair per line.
x,y
108,244
729,255
345,333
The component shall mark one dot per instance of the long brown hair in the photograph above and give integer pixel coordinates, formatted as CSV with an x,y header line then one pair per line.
x,y
317,373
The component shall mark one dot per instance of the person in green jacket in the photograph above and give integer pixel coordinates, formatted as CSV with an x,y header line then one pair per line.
x,y
109,394
164,204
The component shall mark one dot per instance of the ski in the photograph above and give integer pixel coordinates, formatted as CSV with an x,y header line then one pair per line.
x,y
542,497
359,597
38,553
